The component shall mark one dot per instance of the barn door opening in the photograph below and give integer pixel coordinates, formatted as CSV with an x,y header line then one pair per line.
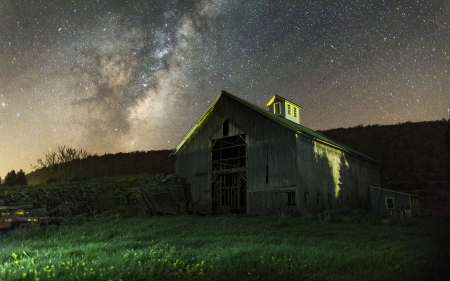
x,y
228,177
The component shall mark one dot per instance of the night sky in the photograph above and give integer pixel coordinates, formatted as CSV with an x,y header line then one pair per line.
x,y
120,76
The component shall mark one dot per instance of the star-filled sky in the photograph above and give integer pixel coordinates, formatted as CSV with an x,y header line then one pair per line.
x,y
112,76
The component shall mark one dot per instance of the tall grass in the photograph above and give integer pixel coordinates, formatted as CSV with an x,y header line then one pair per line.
x,y
225,248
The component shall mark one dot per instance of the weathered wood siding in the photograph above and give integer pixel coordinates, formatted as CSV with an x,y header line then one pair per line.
x,y
268,144
331,178
278,161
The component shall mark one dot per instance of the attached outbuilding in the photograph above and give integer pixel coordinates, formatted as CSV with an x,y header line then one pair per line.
x,y
390,202
243,158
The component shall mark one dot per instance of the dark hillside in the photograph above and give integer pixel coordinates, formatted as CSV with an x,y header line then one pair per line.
x,y
119,164
412,155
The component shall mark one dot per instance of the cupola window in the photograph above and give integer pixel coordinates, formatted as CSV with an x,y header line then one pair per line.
x,y
277,108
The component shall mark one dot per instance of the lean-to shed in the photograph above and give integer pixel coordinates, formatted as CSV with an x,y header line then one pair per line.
x,y
386,201
241,157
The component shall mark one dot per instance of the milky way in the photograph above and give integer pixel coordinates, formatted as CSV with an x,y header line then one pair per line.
x,y
111,76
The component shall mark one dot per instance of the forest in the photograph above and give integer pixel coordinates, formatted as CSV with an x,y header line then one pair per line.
x,y
111,165
412,156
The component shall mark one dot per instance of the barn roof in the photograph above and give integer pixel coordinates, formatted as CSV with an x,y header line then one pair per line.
x,y
297,128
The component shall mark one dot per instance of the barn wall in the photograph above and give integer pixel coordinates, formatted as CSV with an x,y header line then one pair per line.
x,y
268,144
193,163
271,167
331,178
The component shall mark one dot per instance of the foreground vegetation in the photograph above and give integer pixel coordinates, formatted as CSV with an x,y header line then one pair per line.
x,y
345,247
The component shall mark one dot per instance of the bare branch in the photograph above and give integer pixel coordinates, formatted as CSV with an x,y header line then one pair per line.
x,y
63,164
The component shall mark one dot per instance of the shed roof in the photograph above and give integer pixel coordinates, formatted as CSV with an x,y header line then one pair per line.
x,y
393,191
299,129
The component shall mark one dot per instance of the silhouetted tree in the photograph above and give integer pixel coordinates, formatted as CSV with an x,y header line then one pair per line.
x,y
447,145
21,179
64,164
11,178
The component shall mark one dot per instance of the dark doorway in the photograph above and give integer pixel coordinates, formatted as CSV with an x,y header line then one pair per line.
x,y
228,180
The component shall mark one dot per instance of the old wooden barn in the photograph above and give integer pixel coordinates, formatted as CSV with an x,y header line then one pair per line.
x,y
243,158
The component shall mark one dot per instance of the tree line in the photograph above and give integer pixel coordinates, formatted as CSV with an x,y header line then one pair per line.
x,y
447,144
12,178
411,155
66,164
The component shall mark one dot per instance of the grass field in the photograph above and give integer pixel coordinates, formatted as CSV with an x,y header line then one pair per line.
x,y
229,248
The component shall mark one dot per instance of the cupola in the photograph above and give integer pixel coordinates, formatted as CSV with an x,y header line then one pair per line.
x,y
284,108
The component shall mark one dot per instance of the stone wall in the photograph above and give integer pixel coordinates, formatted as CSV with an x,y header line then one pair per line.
x,y
154,194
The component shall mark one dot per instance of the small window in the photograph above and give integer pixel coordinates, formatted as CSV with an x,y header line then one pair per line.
x,y
340,200
306,197
277,108
226,128
295,112
348,200
390,204
318,198
289,109
330,199
290,197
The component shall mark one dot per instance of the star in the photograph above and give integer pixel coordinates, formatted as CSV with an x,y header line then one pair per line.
x,y
135,75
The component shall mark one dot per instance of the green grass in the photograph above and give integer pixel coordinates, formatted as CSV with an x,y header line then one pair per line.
x,y
227,248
